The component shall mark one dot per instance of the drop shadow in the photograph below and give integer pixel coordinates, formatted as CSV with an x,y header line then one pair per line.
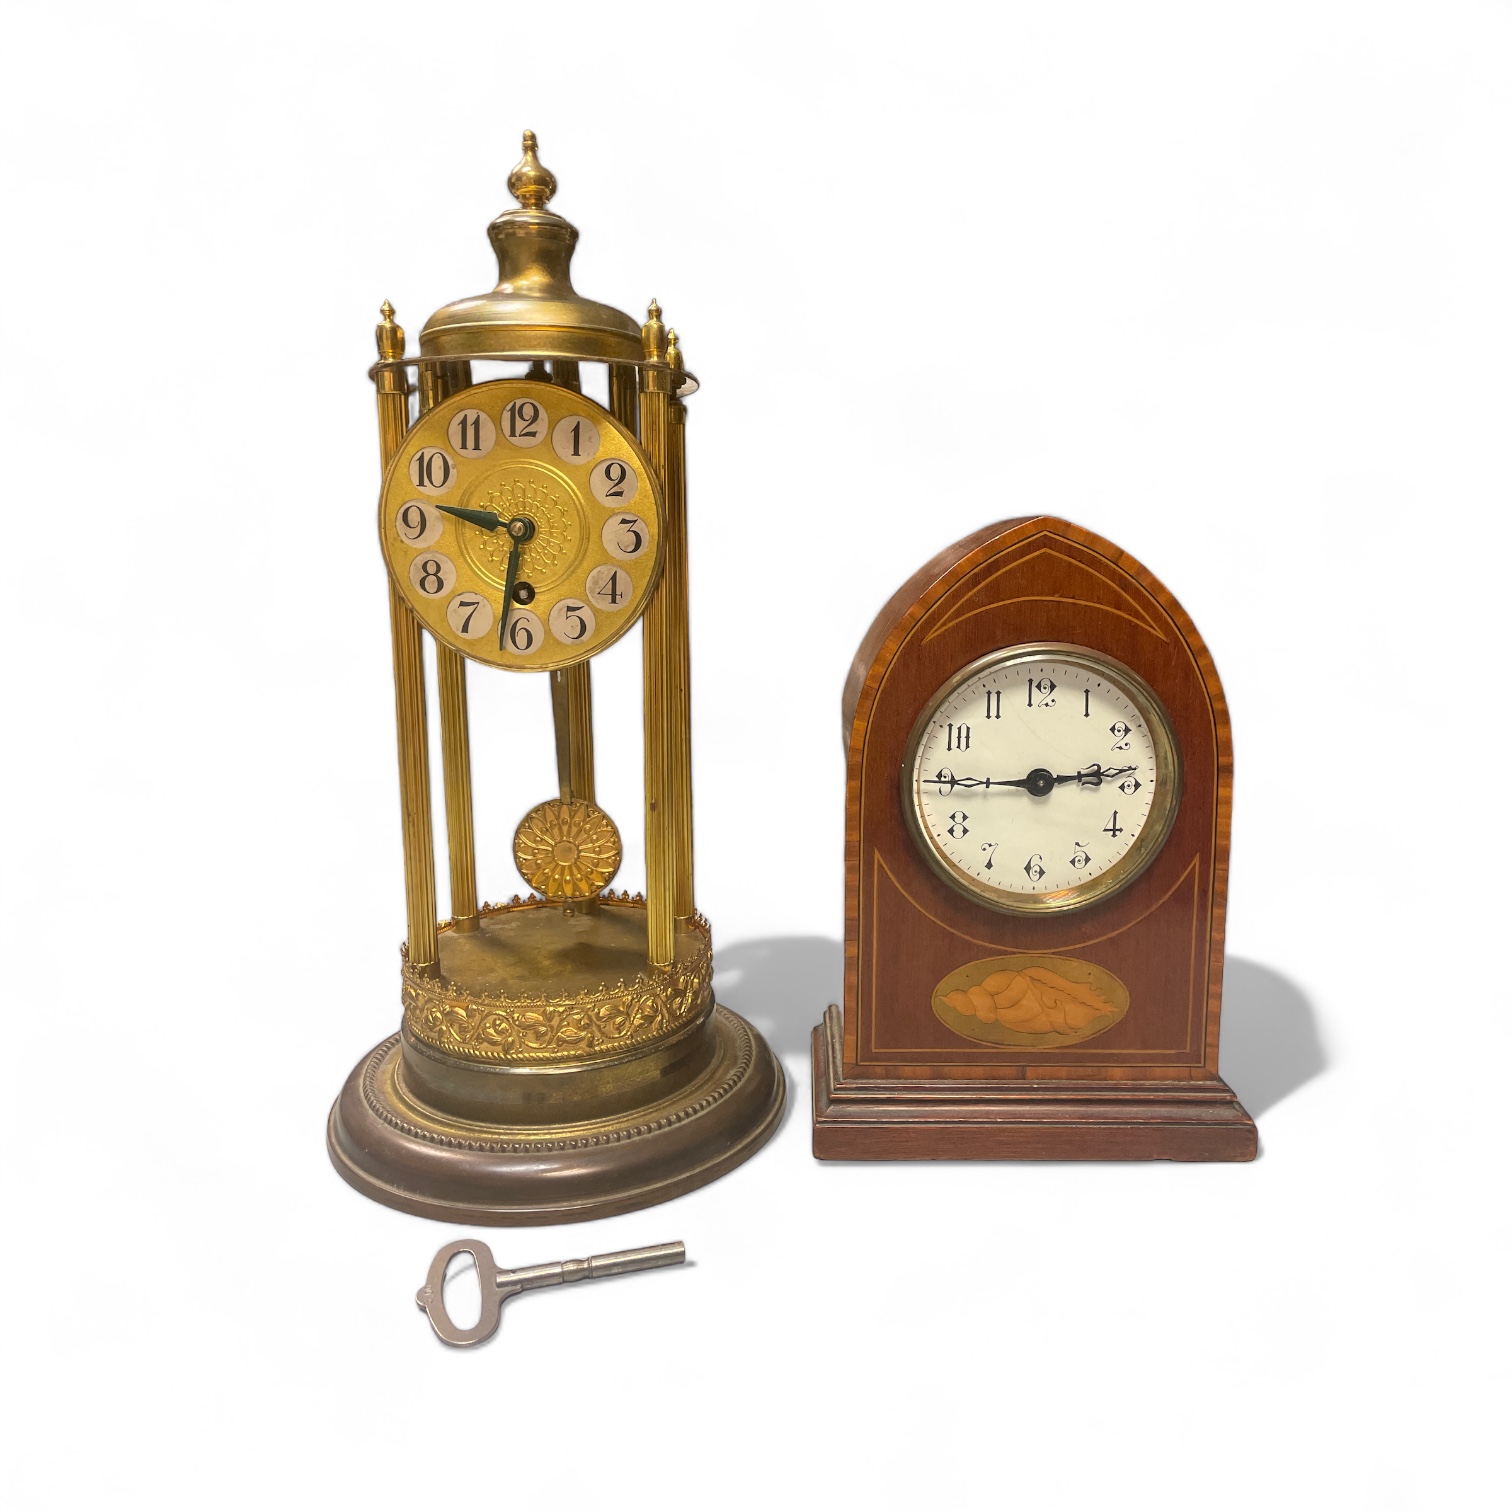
x,y
1269,1044
782,985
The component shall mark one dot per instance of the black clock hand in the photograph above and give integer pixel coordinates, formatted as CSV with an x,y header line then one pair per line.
x,y
1038,783
1095,775
948,780
484,517
520,529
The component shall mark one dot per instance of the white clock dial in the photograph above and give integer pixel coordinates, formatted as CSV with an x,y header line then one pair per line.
x,y
1042,777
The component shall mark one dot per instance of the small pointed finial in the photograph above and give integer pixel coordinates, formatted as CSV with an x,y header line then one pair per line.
x,y
529,182
390,335
654,334
674,352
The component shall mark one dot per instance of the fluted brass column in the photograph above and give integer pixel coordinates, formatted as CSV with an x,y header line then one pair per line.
x,y
409,683
660,666
623,395
572,688
436,384
676,570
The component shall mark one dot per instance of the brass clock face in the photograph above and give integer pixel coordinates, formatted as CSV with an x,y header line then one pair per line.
x,y
1041,778
530,493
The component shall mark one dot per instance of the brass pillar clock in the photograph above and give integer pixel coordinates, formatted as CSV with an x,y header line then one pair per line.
x,y
561,1055
1037,828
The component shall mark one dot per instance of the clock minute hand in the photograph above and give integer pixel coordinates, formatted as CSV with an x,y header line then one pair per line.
x,y
1037,784
1094,775
520,528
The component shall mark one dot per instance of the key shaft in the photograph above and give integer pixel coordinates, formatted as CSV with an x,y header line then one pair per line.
x,y
616,1263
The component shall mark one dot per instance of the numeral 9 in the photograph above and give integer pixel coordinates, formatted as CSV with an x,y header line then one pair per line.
x,y
416,524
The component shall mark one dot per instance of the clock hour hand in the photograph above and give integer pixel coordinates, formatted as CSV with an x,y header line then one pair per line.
x,y
484,517
947,781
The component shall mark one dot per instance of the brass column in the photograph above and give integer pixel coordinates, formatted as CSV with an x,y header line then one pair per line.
x,y
677,577
437,384
660,664
572,688
409,683
622,395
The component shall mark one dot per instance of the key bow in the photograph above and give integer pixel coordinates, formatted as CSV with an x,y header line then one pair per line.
x,y
431,1298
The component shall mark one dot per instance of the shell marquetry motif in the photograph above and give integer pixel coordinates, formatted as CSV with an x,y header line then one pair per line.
x,y
1037,1001
567,850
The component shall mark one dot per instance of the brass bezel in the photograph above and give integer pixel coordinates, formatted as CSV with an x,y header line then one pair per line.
x,y
650,504
1162,812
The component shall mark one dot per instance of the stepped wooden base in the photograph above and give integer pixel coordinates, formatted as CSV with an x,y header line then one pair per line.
x,y
940,1119
650,1127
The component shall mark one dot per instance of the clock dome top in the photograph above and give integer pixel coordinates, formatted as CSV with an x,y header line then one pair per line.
x,y
534,310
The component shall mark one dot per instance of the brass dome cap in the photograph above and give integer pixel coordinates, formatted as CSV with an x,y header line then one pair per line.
x,y
534,311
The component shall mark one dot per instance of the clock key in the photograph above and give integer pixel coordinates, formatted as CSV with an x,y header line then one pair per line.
x,y
498,1286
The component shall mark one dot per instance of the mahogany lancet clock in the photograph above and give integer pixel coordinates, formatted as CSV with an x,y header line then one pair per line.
x,y
1037,825
561,1055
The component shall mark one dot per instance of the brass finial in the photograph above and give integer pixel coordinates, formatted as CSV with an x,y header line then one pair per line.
x,y
654,334
674,352
529,182
390,334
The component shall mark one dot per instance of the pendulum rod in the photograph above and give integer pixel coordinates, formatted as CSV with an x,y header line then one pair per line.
x,y
659,667
572,687
677,577
409,683
436,384
572,719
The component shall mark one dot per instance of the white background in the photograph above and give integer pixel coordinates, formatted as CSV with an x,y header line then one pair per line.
x,y
1226,283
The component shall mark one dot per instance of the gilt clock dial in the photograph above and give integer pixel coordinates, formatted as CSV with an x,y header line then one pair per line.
x,y
522,524
1041,778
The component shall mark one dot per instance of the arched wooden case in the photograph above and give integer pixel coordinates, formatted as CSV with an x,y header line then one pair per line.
x,y
891,1079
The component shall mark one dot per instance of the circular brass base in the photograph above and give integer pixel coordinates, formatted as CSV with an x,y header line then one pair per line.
x,y
402,1151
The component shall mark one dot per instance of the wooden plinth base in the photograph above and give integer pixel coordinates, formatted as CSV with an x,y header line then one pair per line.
x,y
876,1119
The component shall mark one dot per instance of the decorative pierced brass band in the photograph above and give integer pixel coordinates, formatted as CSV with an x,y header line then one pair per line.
x,y
409,686
600,1021
567,850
